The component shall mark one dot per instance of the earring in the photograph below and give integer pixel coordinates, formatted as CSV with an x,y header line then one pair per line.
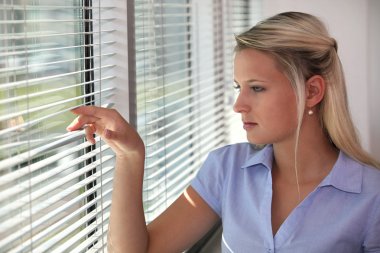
x,y
310,112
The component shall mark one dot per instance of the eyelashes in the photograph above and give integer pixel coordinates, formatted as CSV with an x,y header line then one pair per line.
x,y
254,88
257,88
236,87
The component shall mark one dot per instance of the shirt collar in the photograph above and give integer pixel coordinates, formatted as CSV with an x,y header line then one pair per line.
x,y
263,157
346,175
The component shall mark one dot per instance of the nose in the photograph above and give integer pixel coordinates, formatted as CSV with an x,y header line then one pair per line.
x,y
241,105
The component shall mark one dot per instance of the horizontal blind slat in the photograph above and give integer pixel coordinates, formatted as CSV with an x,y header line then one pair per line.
x,y
83,234
19,34
175,159
60,104
76,213
146,39
52,21
66,232
24,171
197,124
20,158
28,7
38,35
53,104
47,92
198,93
143,4
35,81
172,123
163,45
46,219
93,240
4,210
195,166
33,122
149,77
24,186
21,50
29,67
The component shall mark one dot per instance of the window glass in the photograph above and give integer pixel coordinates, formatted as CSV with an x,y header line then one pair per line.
x,y
163,94
179,96
52,183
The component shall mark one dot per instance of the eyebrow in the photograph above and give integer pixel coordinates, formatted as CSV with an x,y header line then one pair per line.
x,y
250,81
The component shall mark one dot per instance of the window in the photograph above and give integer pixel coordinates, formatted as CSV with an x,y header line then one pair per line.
x,y
167,57
179,56
55,188
241,16
183,78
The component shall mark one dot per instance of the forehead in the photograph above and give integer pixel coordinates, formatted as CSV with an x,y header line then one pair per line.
x,y
254,64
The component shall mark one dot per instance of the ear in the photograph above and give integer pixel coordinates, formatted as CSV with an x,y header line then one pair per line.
x,y
315,90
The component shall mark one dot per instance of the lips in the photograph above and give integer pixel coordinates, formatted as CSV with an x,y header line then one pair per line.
x,y
249,125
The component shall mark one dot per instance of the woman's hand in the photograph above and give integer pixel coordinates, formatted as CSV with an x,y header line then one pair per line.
x,y
127,226
111,126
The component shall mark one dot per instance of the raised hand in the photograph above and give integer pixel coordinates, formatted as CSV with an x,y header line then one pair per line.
x,y
111,126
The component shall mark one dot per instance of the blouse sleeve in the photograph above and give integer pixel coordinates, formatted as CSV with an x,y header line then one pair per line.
x,y
209,182
372,239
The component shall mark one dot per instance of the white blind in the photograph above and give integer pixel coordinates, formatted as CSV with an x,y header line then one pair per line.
x,y
180,92
54,187
242,15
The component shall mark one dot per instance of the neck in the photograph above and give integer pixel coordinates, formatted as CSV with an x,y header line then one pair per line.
x,y
315,157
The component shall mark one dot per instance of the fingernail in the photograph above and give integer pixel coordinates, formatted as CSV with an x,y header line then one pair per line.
x,y
107,133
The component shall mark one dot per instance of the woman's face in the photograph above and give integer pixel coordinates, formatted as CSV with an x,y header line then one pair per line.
x,y
266,100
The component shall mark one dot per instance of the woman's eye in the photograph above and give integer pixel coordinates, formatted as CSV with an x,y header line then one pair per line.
x,y
257,88
236,87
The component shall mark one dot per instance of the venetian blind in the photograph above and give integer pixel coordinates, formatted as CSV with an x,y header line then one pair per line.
x,y
242,15
54,187
180,95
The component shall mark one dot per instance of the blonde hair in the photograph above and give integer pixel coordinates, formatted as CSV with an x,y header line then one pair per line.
x,y
302,47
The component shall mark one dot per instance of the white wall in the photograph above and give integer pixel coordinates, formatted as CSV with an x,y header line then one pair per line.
x,y
354,24
374,75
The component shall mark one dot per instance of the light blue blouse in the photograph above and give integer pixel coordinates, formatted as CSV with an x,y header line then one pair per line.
x,y
342,215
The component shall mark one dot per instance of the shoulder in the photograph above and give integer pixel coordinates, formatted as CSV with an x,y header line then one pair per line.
x,y
210,181
232,162
371,196
231,157
236,154
371,179
368,176
236,148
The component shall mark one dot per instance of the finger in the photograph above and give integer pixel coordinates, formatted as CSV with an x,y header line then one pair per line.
x,y
109,134
90,130
81,121
94,111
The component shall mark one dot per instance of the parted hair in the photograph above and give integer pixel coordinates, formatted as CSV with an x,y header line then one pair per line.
x,y
302,46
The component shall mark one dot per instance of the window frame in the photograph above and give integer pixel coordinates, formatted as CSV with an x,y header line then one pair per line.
x,y
88,80
125,74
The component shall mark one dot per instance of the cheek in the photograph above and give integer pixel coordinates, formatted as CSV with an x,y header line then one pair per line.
x,y
283,112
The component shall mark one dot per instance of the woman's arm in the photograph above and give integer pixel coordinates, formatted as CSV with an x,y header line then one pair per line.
x,y
182,224
127,229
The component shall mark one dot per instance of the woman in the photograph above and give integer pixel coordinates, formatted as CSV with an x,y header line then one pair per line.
x,y
312,188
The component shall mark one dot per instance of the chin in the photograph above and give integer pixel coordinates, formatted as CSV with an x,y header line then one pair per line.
x,y
257,141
